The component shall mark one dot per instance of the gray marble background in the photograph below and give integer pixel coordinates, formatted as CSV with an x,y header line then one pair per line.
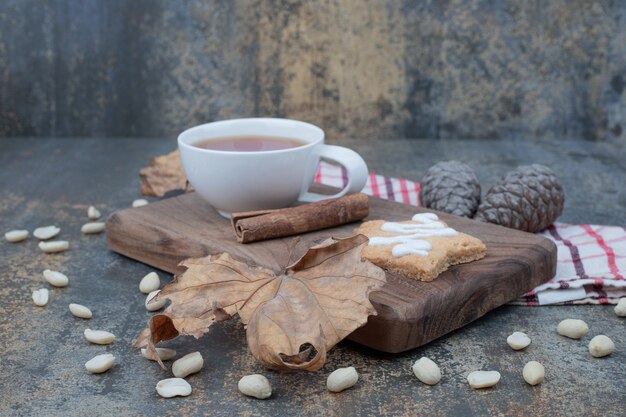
x,y
548,69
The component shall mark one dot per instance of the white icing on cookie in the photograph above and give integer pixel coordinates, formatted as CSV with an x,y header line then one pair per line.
x,y
410,241
425,217
416,247
393,240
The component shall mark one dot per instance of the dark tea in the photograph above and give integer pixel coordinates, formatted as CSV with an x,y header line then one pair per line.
x,y
249,143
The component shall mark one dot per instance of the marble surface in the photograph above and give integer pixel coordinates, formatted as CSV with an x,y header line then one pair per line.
x,y
372,69
43,351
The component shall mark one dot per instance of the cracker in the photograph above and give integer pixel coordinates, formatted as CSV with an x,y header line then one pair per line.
x,y
446,251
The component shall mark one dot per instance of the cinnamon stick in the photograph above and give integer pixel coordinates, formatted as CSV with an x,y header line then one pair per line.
x,y
252,226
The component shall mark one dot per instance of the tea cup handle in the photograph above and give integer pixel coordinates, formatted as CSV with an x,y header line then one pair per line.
x,y
355,166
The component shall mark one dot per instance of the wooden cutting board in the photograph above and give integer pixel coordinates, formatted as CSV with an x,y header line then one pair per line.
x,y
410,313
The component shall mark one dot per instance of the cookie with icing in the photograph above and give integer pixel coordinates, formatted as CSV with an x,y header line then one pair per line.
x,y
421,248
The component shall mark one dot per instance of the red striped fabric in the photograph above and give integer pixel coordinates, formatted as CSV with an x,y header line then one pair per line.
x,y
610,255
591,259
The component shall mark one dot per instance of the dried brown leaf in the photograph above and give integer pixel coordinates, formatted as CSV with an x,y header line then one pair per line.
x,y
293,319
162,175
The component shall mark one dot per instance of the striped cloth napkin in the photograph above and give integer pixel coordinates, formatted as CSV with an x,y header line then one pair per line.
x,y
591,261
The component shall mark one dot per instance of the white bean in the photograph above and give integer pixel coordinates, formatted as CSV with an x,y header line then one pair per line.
x,y
601,346
341,379
99,337
572,328
101,363
164,354
187,365
92,228
140,202
80,311
54,246
620,308
14,236
56,278
172,387
518,340
154,305
149,283
533,372
46,232
427,371
483,379
40,297
93,213
256,386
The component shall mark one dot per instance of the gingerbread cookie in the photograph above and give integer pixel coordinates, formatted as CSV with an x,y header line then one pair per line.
x,y
421,248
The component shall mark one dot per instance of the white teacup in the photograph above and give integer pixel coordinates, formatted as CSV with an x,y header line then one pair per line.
x,y
244,181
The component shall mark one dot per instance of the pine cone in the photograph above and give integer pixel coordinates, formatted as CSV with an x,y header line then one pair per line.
x,y
450,186
529,198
